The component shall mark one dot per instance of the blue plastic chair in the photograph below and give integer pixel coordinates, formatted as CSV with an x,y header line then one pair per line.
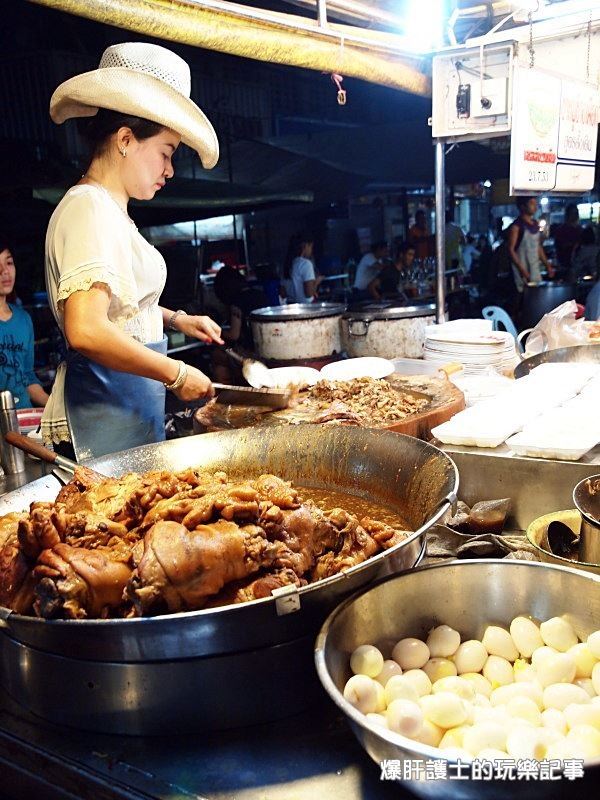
x,y
500,317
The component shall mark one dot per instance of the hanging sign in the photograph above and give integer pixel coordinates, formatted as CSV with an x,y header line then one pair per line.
x,y
554,133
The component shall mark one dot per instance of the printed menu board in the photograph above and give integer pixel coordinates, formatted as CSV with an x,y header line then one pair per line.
x,y
554,133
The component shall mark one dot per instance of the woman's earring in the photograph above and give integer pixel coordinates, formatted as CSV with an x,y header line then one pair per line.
x,y
123,153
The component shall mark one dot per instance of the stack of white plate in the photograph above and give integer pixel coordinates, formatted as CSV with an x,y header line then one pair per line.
x,y
476,348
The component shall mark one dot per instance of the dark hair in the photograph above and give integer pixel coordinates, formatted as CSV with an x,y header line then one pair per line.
x,y
571,211
404,248
228,283
588,236
295,247
97,130
522,202
380,245
5,243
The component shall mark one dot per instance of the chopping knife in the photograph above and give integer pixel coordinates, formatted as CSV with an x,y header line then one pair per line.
x,y
247,396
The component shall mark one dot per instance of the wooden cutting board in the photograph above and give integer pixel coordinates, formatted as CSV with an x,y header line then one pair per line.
x,y
444,400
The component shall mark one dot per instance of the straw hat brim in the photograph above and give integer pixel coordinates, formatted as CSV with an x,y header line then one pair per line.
x,y
133,92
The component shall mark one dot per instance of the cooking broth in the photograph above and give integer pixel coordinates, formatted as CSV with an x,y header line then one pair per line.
x,y
359,506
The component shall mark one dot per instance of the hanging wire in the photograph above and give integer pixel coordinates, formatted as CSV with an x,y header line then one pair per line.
x,y
589,48
531,50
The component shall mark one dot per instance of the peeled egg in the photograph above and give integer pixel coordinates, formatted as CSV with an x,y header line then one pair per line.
x,y
498,642
411,653
541,654
562,750
596,677
429,734
444,709
555,719
526,635
482,735
389,669
525,741
470,656
584,660
593,642
456,685
582,714
362,692
559,668
419,679
503,694
498,671
457,754
404,717
525,708
550,735
399,688
491,754
482,701
377,719
586,683
443,641
558,633
453,737
587,740
560,695
523,671
366,660
480,684
437,668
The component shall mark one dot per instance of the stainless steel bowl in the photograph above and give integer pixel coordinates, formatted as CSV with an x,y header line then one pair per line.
x,y
467,595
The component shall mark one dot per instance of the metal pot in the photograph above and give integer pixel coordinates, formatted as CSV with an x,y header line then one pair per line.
x,y
416,478
298,331
239,664
468,596
386,331
586,496
581,353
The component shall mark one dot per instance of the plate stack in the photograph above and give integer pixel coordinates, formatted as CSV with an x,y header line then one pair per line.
x,y
473,344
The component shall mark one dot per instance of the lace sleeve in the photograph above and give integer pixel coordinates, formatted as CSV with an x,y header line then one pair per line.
x,y
123,305
89,248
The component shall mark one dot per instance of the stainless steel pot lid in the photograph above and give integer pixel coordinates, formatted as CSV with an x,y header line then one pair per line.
x,y
296,311
373,311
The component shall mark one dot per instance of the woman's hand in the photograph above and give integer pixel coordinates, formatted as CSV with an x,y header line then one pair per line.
x,y
196,385
203,328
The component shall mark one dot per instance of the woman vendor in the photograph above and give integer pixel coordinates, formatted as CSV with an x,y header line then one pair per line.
x,y
103,278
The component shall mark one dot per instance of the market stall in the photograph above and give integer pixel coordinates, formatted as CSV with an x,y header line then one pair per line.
x,y
160,608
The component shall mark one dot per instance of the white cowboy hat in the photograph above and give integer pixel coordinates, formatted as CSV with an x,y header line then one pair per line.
x,y
144,80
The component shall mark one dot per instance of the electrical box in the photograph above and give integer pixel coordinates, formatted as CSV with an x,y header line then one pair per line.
x,y
488,98
471,91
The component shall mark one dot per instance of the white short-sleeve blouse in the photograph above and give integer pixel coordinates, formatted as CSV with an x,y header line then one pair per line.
x,y
91,240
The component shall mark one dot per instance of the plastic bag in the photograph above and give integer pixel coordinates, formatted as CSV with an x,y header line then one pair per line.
x,y
558,328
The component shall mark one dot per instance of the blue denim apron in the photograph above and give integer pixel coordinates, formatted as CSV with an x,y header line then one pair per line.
x,y
108,411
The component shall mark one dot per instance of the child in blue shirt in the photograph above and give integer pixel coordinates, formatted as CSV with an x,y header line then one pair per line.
x,y
16,342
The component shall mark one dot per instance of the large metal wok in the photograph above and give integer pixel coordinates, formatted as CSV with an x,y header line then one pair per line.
x,y
582,353
154,674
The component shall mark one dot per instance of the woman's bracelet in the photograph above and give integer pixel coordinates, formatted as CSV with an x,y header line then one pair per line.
x,y
172,318
179,380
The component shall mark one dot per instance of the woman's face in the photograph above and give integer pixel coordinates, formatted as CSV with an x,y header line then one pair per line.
x,y
7,273
148,164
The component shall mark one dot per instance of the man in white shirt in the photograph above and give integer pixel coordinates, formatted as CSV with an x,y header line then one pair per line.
x,y
369,266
